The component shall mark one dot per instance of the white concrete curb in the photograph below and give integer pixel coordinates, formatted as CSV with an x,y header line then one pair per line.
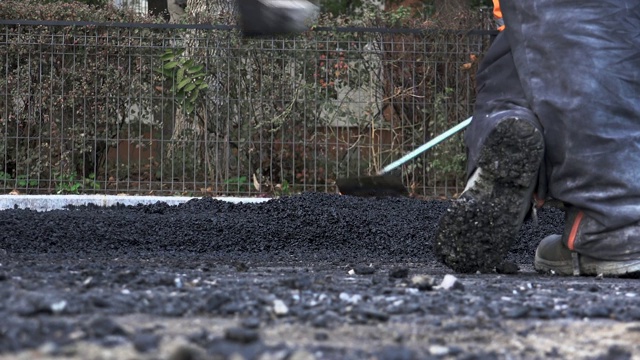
x,y
54,202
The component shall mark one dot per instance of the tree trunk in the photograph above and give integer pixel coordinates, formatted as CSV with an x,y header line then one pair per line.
x,y
204,128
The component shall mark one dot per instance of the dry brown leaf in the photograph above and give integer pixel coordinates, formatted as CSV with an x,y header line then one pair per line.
x,y
256,183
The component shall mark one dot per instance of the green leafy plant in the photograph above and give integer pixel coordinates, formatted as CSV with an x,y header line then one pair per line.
x,y
399,15
72,184
187,78
237,180
68,188
92,182
238,183
23,181
282,189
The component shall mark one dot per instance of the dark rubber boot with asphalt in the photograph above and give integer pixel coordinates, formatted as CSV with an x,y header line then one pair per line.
x,y
554,257
587,247
478,229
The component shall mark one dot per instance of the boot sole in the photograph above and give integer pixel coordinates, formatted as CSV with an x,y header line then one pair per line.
x,y
590,267
478,229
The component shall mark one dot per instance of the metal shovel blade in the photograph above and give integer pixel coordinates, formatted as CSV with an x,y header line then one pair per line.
x,y
372,186
275,17
386,185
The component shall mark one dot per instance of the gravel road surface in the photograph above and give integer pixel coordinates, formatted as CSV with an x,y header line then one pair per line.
x,y
309,276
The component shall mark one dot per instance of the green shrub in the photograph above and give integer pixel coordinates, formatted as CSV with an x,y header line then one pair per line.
x,y
66,91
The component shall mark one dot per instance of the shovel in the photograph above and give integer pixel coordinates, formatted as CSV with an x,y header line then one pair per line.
x,y
386,185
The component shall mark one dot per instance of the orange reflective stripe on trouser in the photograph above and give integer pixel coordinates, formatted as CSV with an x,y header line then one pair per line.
x,y
497,14
574,230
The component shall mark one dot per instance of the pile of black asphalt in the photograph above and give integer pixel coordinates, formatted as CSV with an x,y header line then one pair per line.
x,y
311,227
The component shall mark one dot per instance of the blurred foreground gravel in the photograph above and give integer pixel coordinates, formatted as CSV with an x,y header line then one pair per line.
x,y
311,276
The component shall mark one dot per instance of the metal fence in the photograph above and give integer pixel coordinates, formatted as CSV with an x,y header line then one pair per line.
x,y
197,110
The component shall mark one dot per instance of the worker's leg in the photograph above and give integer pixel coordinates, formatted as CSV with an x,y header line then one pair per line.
x,y
499,95
505,149
579,65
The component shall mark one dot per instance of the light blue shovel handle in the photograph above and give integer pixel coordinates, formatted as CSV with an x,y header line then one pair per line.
x,y
433,142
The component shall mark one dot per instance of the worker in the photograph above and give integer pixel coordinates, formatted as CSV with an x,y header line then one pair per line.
x,y
497,15
557,116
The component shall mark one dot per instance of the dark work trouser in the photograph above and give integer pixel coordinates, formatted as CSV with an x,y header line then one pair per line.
x,y
499,95
578,65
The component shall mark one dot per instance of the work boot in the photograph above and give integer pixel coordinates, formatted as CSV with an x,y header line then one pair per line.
x,y
584,249
554,257
477,231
